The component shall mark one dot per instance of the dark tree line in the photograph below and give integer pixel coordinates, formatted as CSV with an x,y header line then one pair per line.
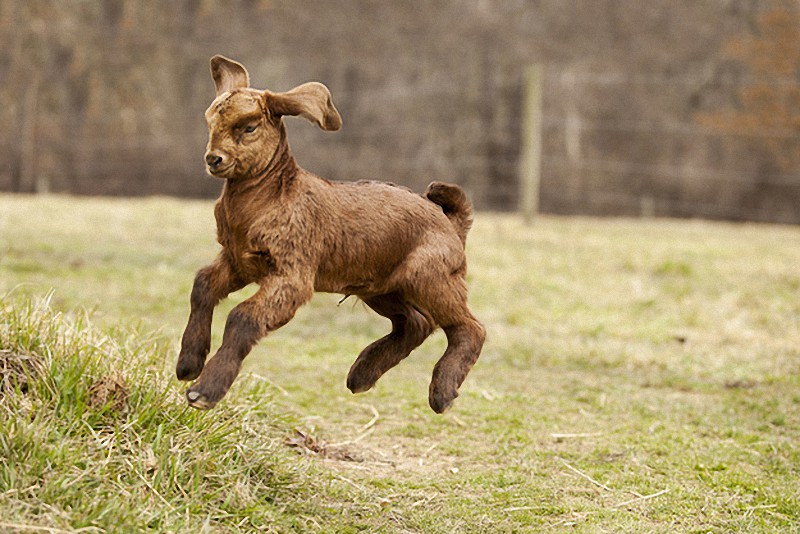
x,y
655,107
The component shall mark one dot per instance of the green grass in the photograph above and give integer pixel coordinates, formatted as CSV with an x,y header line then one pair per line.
x,y
639,376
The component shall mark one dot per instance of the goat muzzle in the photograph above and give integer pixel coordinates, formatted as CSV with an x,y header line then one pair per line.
x,y
214,160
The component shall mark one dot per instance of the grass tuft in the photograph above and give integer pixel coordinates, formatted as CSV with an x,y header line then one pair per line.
x,y
96,437
18,369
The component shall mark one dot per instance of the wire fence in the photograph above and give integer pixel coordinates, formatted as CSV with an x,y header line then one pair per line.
x,y
589,179
615,140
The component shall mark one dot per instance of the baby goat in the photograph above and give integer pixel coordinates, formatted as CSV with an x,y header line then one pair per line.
x,y
294,233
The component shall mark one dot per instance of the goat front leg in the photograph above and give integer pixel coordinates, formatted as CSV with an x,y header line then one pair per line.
x,y
212,284
271,307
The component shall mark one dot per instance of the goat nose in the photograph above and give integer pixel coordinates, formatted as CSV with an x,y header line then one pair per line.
x,y
213,160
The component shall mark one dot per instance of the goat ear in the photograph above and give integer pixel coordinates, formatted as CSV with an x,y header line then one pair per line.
x,y
228,74
311,101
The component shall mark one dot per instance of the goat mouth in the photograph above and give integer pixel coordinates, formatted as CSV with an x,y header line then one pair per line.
x,y
219,172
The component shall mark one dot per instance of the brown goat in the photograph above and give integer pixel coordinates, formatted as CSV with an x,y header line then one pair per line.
x,y
294,233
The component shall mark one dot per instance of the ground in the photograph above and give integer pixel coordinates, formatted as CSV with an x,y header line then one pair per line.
x,y
639,375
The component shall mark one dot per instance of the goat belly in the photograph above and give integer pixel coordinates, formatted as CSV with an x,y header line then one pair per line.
x,y
328,285
348,279
365,273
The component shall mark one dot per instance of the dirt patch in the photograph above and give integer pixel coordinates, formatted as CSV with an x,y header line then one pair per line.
x,y
375,454
305,443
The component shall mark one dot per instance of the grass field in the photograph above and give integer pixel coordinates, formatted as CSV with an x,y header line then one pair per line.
x,y
639,376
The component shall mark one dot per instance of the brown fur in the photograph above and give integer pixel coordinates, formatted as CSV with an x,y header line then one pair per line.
x,y
294,233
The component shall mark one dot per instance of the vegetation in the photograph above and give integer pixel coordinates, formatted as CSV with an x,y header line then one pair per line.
x,y
764,108
638,376
674,108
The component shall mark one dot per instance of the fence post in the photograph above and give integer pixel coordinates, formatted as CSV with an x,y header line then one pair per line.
x,y
531,143
27,138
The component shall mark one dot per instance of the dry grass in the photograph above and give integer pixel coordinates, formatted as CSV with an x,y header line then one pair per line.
x,y
17,370
638,376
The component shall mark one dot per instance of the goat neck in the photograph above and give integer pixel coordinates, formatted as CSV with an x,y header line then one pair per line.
x,y
276,179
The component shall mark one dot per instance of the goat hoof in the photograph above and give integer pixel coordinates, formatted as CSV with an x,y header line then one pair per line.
x,y
186,375
198,400
186,371
358,384
441,402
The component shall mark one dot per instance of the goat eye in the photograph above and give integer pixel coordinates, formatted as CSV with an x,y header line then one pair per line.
x,y
250,128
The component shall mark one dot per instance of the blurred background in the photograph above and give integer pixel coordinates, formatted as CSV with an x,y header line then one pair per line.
x,y
678,108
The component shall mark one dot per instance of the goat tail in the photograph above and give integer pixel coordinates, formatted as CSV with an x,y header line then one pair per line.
x,y
454,203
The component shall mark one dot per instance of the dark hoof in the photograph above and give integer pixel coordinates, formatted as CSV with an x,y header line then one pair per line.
x,y
359,383
187,374
187,370
441,402
198,400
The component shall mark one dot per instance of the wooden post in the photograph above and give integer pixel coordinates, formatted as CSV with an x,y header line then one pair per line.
x,y
27,138
531,145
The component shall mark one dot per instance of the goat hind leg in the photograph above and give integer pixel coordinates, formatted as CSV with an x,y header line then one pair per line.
x,y
444,295
464,343
409,329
